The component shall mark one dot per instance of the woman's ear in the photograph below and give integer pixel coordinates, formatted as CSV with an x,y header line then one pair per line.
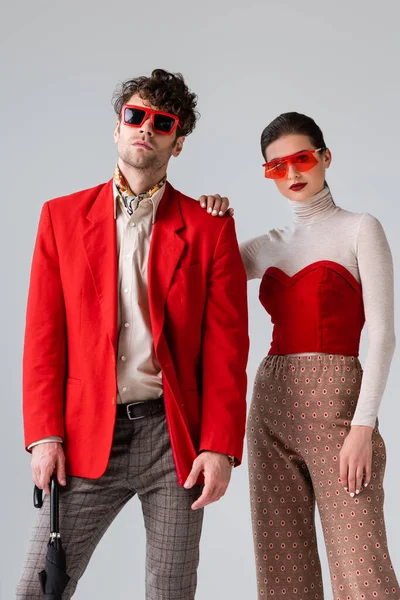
x,y
327,158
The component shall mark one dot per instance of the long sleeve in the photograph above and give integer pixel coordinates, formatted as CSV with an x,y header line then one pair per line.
x,y
376,275
44,362
225,350
253,256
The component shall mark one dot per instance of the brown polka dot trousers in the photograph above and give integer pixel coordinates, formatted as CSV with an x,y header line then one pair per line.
x,y
299,417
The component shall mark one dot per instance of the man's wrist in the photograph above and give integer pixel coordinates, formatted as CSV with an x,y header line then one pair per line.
x,y
52,438
229,457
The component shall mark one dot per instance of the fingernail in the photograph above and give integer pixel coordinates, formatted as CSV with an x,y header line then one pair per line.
x,y
209,210
357,491
203,205
221,213
366,484
214,212
63,482
345,489
352,494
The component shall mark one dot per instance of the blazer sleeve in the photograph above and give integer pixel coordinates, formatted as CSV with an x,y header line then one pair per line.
x,y
225,349
44,359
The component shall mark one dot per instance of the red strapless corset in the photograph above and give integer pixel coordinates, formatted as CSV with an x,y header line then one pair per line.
x,y
319,309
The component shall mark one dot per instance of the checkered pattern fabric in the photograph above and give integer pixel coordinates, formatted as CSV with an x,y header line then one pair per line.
x,y
140,463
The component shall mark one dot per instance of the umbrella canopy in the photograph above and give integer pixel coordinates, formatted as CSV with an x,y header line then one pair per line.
x,y
53,578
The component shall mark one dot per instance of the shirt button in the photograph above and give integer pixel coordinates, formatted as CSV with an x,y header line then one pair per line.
x,y
126,325
124,389
133,224
123,358
126,290
128,255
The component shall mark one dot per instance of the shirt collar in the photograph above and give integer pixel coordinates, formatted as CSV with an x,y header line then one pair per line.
x,y
155,201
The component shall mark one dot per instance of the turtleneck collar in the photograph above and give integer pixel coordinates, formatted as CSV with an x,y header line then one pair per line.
x,y
317,208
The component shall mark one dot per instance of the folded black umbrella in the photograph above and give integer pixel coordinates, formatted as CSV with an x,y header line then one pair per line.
x,y
53,578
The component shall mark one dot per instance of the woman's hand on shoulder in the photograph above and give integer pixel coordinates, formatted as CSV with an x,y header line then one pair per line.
x,y
216,205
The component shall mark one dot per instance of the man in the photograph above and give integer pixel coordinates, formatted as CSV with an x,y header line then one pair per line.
x,y
135,351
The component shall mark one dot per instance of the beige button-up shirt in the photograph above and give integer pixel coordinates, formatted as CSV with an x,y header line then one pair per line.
x,y
138,371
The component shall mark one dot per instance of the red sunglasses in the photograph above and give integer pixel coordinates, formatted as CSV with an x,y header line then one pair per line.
x,y
162,122
302,161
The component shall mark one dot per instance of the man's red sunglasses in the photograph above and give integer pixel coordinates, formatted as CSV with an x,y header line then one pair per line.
x,y
162,122
302,161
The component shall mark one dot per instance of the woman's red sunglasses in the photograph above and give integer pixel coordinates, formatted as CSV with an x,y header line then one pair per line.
x,y
302,161
162,122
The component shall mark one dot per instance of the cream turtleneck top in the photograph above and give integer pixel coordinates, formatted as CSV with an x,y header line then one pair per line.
x,y
322,231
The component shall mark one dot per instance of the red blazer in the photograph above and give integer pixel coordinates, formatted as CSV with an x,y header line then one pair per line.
x,y
198,307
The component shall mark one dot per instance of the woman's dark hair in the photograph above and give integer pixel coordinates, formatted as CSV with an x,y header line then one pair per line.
x,y
291,123
166,91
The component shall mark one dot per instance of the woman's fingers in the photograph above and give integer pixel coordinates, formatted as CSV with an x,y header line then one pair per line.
x,y
368,473
224,206
344,467
213,204
216,205
359,478
351,478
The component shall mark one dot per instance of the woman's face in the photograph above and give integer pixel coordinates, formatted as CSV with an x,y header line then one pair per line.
x,y
296,185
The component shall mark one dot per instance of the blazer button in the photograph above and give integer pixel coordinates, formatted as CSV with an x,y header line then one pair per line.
x,y
112,400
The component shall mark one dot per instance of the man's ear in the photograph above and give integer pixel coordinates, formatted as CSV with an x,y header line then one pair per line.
x,y
177,149
116,131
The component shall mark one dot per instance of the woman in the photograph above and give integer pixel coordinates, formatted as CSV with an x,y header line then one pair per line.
x,y
312,431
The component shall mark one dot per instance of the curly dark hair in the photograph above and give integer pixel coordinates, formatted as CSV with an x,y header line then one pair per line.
x,y
164,90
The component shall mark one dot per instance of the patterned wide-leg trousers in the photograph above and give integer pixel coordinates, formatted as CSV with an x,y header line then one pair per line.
x,y
300,415
140,463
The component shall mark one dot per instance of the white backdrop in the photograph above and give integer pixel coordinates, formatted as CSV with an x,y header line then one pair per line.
x,y
248,62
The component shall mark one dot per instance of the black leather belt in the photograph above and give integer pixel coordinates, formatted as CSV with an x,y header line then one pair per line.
x,y
139,410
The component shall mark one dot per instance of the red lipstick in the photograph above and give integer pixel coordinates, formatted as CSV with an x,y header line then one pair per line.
x,y
297,187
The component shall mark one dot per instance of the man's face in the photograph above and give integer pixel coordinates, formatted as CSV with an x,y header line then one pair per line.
x,y
143,148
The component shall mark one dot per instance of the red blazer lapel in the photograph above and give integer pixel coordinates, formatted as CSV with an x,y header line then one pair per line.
x,y
165,251
100,243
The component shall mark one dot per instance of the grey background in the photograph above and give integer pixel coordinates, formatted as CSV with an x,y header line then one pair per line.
x,y
248,62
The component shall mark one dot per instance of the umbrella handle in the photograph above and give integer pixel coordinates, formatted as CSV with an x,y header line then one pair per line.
x,y
54,505
37,497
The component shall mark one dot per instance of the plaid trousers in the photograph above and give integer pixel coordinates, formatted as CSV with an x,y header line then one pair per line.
x,y
140,463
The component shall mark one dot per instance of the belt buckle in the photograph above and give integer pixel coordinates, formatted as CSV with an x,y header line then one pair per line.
x,y
128,413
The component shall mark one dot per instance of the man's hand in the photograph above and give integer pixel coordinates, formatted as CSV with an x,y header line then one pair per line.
x,y
217,474
216,205
356,459
48,458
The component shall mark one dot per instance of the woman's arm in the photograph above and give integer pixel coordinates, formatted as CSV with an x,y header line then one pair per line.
x,y
376,273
